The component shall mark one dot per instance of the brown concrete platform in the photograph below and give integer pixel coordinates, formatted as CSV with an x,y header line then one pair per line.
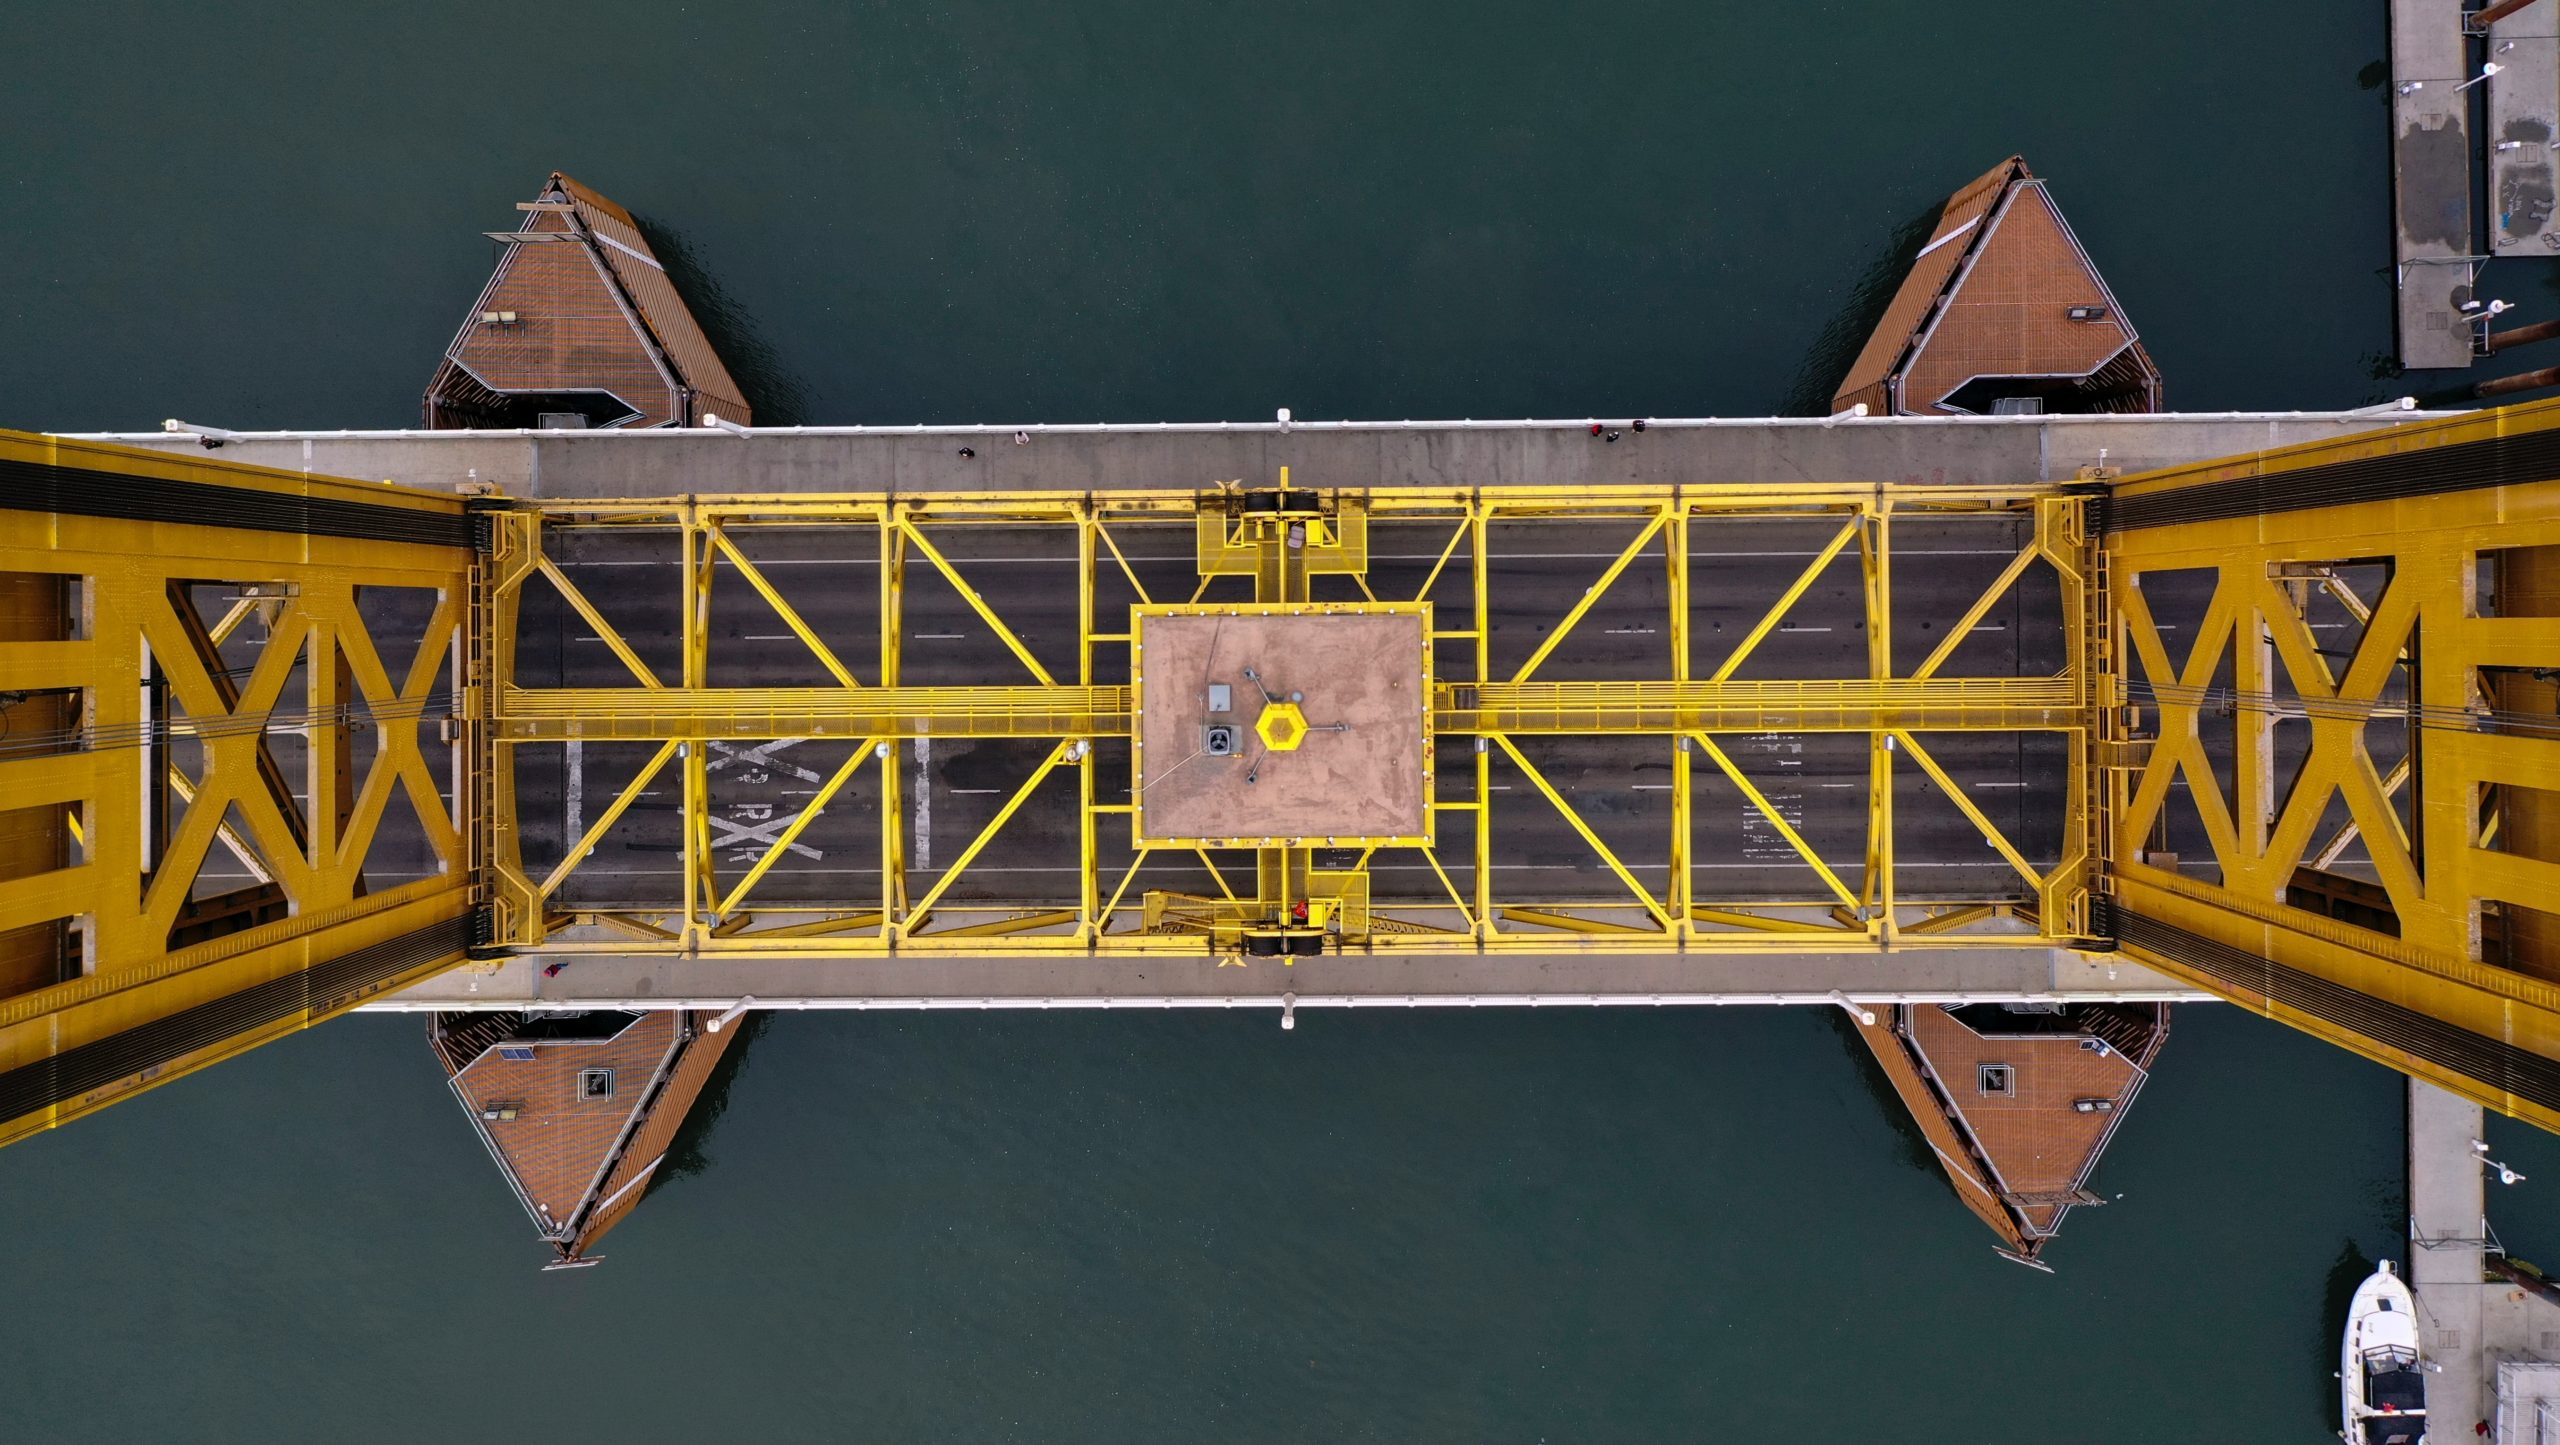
x,y
1363,666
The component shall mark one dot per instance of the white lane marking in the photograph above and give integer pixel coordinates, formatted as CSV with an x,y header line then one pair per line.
x,y
1651,787
761,757
1999,785
574,825
924,803
974,792
768,637
939,636
1627,631
1804,629
764,834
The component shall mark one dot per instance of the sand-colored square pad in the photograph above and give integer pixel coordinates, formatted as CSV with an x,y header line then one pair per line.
x,y
1359,773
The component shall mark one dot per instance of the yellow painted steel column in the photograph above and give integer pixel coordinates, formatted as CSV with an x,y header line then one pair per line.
x,y
1680,894
893,849
1876,554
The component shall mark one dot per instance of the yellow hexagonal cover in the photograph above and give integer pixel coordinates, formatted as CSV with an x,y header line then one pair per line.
x,y
1282,726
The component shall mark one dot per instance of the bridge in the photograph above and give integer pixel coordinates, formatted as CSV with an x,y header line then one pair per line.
x,y
1846,713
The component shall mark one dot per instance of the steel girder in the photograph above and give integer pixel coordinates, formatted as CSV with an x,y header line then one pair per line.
x,y
172,892
716,916
2345,831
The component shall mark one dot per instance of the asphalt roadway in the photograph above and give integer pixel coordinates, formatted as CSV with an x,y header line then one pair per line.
x,y
1620,786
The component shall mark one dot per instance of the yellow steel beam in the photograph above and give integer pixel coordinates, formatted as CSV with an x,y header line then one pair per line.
x,y
136,612
1433,858
2233,929
1206,862
604,822
1778,821
781,606
1760,923
888,711
1592,595
523,715
1459,534
826,794
1998,840
595,620
1955,918
1991,595
1570,923
894,539
1538,780
1024,923
1875,563
1849,531
915,537
1481,620
2348,831
1084,574
860,921
1679,894
1065,749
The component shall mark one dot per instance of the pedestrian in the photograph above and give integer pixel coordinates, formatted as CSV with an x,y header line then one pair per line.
x,y
1639,423
1022,438
968,452
1595,428
1612,436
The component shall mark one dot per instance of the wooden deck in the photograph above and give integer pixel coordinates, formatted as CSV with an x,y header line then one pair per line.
x,y
578,1159
580,318
2000,1098
2002,302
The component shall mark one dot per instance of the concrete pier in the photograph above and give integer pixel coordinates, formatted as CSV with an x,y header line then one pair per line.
x,y
2469,1322
2431,181
2524,122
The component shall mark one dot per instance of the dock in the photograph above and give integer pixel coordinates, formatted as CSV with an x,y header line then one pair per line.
x,y
2431,182
2524,120
2470,1320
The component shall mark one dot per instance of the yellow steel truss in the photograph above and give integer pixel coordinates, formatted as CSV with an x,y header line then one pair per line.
x,y
1283,540
2266,732
2420,937
145,736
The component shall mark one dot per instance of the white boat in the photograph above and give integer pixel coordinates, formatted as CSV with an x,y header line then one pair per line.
x,y
2384,1391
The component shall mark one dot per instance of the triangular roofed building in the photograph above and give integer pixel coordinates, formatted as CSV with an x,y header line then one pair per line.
x,y
2003,312
579,326
578,1108
2018,1101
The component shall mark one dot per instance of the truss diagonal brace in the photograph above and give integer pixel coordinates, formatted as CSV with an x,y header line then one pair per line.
x,y
1597,590
976,603
1530,771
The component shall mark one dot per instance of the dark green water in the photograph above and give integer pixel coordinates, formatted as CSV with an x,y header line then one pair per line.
x,y
1561,1226
266,214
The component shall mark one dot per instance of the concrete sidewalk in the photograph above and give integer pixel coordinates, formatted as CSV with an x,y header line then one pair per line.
x,y
1560,980
2431,181
2468,1321
2000,451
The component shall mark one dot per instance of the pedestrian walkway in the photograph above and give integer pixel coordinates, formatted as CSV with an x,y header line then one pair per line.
x,y
2431,182
2470,1321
